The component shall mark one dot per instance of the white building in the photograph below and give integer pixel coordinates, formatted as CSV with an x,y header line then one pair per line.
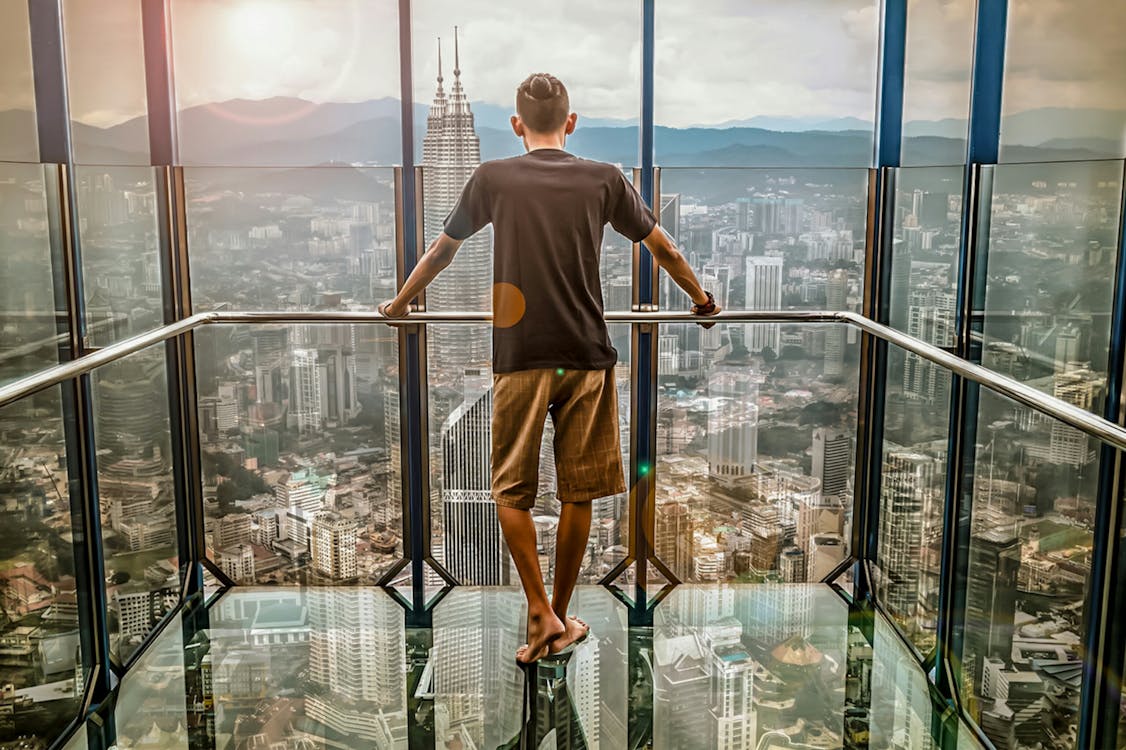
x,y
764,292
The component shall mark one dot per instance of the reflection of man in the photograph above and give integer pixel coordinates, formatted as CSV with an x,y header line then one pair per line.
x,y
551,350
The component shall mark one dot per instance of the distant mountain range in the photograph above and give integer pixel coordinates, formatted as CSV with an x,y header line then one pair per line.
x,y
293,132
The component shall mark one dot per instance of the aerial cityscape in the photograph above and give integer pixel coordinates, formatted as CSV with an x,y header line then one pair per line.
x,y
755,471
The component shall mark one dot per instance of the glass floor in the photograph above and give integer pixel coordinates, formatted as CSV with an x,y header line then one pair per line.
x,y
759,666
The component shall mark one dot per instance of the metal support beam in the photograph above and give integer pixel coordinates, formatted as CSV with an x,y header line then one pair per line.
x,y
879,236
982,148
48,52
412,349
160,90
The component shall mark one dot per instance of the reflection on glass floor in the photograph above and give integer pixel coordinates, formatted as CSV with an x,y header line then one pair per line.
x,y
752,666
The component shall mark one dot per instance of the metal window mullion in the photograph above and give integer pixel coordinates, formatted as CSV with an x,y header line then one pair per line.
x,y
887,150
412,345
48,52
982,148
873,374
1105,639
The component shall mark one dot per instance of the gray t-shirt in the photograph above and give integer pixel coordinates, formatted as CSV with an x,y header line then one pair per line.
x,y
548,209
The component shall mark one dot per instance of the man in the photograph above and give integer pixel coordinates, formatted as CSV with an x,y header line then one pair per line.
x,y
551,350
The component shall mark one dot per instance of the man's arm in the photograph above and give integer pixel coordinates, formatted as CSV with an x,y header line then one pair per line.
x,y
439,255
673,261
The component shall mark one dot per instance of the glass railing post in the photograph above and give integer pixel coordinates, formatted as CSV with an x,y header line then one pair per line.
x,y
1105,639
55,147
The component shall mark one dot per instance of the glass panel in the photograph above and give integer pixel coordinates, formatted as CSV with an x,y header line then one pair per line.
x,y
755,450
28,339
936,86
815,108
1064,88
478,689
912,496
1051,257
19,139
291,239
462,509
137,496
39,636
149,711
750,666
1030,547
120,252
299,667
600,67
79,740
300,443
766,239
106,82
902,713
287,82
924,264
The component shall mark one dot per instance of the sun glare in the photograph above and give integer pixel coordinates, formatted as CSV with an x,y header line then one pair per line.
x,y
262,27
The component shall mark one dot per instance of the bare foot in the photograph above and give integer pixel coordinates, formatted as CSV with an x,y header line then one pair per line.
x,y
576,631
543,630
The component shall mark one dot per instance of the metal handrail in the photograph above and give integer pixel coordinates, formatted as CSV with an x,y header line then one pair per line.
x,y
1022,393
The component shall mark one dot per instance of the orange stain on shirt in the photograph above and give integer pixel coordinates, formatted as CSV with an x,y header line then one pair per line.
x,y
508,304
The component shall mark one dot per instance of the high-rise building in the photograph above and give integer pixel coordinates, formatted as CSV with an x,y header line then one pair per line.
x,y
764,292
473,544
237,562
673,535
304,489
732,424
332,547
836,298
1076,386
305,407
234,528
832,460
355,654
907,481
991,593
451,152
930,318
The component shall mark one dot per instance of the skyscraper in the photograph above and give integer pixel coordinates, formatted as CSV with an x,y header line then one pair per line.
x,y
305,398
991,591
764,292
473,544
451,152
1077,386
930,318
732,425
836,298
832,459
907,480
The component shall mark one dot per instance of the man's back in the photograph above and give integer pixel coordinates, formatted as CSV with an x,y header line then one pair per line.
x,y
548,209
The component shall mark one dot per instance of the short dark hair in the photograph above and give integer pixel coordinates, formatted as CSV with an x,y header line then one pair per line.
x,y
542,102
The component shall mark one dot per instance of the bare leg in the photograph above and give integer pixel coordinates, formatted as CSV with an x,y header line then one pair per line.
x,y
570,547
543,626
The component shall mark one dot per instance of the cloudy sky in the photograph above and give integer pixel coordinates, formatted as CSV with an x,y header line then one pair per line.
x,y
717,60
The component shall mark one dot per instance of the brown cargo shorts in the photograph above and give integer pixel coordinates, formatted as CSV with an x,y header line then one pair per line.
x,y
583,405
